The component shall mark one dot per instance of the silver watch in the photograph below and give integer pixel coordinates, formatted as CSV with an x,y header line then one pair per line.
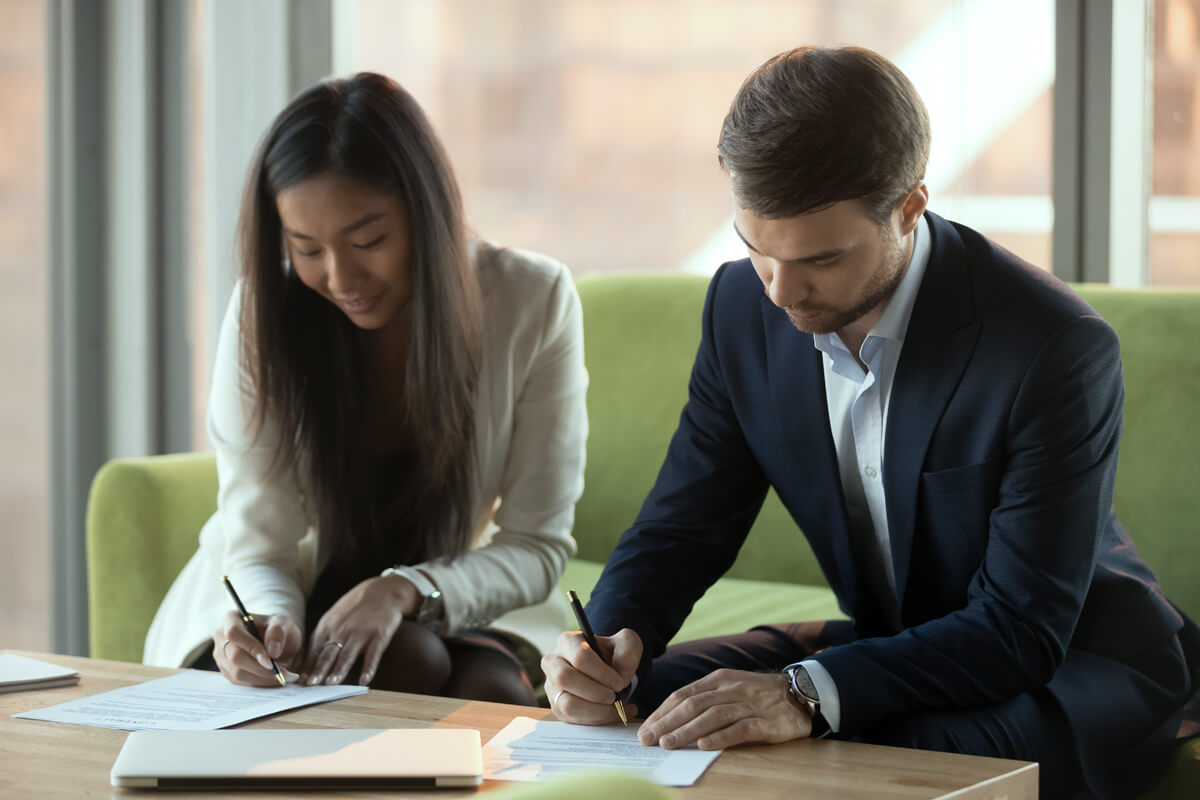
x,y
429,613
802,690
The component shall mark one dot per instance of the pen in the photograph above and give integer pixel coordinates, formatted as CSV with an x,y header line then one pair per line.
x,y
591,640
248,621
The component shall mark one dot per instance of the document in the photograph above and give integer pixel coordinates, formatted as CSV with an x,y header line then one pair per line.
x,y
19,674
193,700
533,750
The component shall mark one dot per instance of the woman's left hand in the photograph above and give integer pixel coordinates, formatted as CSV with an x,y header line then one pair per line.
x,y
360,624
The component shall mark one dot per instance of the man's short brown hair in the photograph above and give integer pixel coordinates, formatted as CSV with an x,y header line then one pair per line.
x,y
815,126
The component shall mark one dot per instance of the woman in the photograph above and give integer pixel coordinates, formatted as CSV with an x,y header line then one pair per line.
x,y
399,423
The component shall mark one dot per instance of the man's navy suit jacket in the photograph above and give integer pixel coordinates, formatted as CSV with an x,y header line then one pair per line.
x,y
1012,569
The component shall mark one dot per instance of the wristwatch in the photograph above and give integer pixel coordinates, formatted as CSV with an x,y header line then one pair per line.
x,y
802,690
429,613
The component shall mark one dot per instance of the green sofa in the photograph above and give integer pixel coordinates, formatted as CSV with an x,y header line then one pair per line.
x,y
641,334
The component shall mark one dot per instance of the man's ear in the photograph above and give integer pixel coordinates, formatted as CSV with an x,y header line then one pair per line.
x,y
912,207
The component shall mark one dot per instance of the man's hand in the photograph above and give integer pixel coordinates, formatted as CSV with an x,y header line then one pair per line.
x,y
727,708
581,685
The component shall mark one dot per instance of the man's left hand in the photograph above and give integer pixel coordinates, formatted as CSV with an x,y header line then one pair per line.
x,y
727,708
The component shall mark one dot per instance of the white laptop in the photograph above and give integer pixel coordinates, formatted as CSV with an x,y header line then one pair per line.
x,y
300,759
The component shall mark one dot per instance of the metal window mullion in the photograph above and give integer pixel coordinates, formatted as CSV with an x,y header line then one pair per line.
x,y
132,215
172,139
76,315
1082,136
1068,156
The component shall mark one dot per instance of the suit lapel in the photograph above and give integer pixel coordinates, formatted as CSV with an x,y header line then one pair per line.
x,y
938,344
796,382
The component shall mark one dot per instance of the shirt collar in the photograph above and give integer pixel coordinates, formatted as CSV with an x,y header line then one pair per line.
x,y
894,321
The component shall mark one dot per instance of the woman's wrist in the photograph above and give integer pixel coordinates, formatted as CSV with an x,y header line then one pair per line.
x,y
403,593
429,609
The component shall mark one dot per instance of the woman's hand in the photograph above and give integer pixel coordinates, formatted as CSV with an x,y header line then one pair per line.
x,y
243,660
360,624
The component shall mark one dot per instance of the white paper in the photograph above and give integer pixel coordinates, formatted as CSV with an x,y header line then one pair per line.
x,y
19,673
533,750
196,700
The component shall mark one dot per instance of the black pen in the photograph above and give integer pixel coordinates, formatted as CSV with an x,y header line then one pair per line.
x,y
248,621
577,607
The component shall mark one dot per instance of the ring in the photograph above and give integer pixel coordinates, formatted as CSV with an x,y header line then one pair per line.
x,y
554,702
224,652
340,646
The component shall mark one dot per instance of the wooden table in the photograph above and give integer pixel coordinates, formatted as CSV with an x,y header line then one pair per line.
x,y
48,760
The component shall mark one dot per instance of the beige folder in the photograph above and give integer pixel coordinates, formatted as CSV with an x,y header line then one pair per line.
x,y
300,759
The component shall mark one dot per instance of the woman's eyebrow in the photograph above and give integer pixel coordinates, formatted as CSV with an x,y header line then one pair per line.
x,y
351,228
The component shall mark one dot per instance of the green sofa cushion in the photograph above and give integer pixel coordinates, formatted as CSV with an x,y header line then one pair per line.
x,y
1183,779
732,605
590,785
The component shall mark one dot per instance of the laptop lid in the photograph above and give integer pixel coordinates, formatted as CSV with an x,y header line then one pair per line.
x,y
300,758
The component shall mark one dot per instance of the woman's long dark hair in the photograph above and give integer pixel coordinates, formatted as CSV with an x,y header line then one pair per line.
x,y
304,363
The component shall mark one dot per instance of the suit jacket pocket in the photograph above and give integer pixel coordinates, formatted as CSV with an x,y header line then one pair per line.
x,y
952,519
968,476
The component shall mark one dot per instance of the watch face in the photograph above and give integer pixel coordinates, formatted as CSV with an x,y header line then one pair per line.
x,y
803,684
431,608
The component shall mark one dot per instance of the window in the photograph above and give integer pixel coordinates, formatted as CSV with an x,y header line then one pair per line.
x,y
1174,212
24,328
587,130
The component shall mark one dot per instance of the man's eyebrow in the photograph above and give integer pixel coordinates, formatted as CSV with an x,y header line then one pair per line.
x,y
815,257
351,228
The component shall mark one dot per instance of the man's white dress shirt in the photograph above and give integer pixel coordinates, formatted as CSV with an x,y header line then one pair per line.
x,y
858,408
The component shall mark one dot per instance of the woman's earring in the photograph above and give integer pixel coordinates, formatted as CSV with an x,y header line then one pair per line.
x,y
287,266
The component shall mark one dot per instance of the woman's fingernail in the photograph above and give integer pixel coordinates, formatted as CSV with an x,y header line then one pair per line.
x,y
332,679
274,648
646,736
365,679
264,661
314,680
667,741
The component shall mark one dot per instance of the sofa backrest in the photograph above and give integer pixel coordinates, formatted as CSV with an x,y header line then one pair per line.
x,y
143,524
640,337
641,334
1158,473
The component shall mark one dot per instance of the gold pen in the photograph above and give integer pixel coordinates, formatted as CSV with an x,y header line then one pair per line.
x,y
248,621
577,607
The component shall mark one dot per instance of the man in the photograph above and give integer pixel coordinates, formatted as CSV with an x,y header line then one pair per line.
x,y
941,419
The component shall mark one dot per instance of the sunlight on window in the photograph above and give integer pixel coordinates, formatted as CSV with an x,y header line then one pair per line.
x,y
588,129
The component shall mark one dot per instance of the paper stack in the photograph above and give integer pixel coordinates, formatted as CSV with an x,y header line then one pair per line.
x,y
21,674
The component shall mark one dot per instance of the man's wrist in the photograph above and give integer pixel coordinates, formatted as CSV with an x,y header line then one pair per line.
x,y
804,693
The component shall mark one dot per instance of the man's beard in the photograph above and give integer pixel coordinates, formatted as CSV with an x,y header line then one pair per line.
x,y
883,284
